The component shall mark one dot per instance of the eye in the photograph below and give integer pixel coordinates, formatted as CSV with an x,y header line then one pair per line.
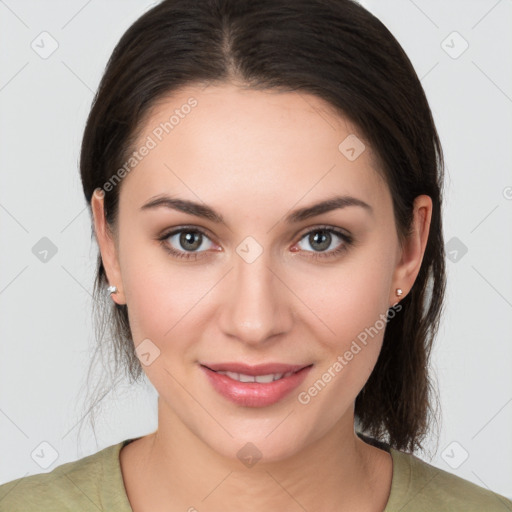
x,y
322,238
185,242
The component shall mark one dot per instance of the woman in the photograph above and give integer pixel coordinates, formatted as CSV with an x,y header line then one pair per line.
x,y
264,180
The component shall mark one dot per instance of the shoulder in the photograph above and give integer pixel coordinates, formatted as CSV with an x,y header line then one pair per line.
x,y
418,486
91,483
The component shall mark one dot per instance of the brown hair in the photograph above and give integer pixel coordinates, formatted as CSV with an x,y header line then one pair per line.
x,y
340,52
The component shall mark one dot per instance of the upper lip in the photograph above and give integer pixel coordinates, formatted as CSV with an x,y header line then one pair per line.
x,y
259,369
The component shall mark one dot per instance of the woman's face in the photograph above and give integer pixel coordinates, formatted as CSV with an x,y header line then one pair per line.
x,y
266,284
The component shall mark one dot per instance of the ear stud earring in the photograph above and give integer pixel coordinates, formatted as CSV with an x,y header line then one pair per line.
x,y
112,289
399,292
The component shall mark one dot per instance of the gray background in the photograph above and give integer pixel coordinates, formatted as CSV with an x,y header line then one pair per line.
x,y
45,306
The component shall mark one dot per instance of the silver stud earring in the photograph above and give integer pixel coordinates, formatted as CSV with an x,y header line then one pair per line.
x,y
112,289
399,292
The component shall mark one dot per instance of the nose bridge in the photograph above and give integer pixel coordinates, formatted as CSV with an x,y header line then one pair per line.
x,y
255,309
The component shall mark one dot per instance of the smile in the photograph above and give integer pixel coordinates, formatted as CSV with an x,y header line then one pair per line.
x,y
259,390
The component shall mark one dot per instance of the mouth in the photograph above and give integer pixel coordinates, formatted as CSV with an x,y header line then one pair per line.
x,y
255,386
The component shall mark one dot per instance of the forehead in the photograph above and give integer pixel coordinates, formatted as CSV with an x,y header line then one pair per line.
x,y
223,141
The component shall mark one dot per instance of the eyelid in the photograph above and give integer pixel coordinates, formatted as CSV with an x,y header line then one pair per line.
x,y
326,227
166,233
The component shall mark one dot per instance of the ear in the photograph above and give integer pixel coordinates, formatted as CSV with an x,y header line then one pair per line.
x,y
411,254
107,245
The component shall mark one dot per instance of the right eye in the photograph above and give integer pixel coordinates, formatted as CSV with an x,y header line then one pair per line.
x,y
184,242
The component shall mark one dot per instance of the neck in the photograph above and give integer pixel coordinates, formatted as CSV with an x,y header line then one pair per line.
x,y
335,472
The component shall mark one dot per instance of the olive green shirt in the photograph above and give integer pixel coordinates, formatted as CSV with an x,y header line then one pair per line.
x,y
95,483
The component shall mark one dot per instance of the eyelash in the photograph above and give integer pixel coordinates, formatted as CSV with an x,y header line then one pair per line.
x,y
193,256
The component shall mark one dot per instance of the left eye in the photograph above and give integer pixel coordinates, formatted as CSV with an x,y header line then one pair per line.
x,y
321,239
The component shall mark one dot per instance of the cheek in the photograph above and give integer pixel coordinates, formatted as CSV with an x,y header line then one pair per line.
x,y
156,295
158,304
347,298
351,303
167,304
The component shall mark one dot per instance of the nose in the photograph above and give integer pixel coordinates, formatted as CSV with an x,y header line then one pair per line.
x,y
257,307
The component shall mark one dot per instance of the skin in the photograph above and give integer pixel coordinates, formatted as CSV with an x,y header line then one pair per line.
x,y
254,156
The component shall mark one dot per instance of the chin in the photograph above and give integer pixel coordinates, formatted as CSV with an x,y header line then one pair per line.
x,y
259,445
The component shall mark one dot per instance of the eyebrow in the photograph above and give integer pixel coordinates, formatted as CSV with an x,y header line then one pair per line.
x,y
206,212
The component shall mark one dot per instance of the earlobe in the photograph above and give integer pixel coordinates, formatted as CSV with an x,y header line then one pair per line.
x,y
107,247
413,250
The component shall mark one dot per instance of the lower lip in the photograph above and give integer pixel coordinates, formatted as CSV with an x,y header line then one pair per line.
x,y
255,394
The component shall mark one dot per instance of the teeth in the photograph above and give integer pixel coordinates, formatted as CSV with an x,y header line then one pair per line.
x,y
265,379
261,379
232,375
